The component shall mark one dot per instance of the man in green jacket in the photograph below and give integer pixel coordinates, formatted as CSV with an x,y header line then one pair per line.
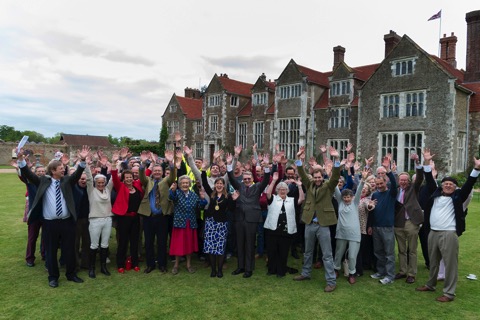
x,y
318,214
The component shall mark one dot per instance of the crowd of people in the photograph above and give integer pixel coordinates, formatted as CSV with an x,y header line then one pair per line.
x,y
340,214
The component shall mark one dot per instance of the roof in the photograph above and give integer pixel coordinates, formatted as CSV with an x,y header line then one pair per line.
x,y
314,76
322,103
246,110
270,85
234,86
364,72
79,140
192,108
450,69
271,109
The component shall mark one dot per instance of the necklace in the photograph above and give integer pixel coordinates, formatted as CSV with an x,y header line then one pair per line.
x,y
217,207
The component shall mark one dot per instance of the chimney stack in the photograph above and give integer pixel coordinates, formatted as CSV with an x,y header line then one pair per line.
x,y
192,93
447,49
472,71
391,40
338,56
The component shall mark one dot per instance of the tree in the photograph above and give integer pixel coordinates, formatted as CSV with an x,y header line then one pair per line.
x,y
8,133
163,141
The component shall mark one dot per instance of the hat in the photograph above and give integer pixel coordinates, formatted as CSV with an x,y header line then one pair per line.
x,y
450,179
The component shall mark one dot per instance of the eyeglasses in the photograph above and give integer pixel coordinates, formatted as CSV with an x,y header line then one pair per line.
x,y
247,179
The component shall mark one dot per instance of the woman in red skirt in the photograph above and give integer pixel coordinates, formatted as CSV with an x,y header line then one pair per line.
x,y
184,234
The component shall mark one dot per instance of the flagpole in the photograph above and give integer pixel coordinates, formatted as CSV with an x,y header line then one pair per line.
x,y
439,34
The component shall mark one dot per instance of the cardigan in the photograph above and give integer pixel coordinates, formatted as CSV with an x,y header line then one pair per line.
x,y
274,212
184,207
100,203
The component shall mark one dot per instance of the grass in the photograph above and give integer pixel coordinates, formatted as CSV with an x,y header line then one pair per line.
x,y
25,292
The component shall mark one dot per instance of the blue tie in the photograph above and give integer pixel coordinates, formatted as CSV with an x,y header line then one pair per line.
x,y
58,199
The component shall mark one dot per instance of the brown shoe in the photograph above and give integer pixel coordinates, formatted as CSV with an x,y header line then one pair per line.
x,y
400,276
410,280
351,279
301,278
318,265
330,288
424,289
444,299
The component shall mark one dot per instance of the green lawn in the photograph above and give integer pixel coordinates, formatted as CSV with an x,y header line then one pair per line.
x,y
25,292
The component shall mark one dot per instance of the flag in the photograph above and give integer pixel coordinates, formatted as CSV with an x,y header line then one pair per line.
x,y
437,15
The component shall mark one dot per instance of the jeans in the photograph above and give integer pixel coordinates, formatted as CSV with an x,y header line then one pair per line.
x,y
313,231
100,228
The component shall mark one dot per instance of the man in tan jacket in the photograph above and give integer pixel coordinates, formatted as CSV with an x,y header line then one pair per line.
x,y
318,214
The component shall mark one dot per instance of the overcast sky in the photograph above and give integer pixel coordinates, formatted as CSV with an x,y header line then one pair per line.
x,y
111,67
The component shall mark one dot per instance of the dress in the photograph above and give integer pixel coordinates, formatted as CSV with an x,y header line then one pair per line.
x,y
184,238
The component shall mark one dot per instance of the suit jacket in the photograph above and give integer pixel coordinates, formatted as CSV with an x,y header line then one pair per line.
x,y
410,203
66,185
162,189
248,207
459,196
319,200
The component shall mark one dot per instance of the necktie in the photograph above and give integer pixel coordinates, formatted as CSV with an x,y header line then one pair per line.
x,y
58,199
402,199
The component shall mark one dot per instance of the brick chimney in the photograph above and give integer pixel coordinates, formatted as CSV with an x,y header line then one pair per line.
x,y
391,40
338,56
263,77
447,49
472,70
192,93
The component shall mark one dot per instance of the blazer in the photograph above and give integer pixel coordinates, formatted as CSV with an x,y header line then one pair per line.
x,y
248,207
162,189
459,196
319,200
42,183
410,203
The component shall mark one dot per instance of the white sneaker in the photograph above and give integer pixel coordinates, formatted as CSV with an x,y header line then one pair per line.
x,y
376,276
386,280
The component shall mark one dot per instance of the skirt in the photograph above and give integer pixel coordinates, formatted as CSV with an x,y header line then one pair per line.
x,y
215,237
183,241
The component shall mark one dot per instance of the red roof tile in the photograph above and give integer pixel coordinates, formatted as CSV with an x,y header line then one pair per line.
x,y
322,103
237,87
79,140
192,108
271,109
246,110
270,85
450,69
315,76
364,72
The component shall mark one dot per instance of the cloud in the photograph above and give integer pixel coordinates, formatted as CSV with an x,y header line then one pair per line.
x,y
256,63
120,56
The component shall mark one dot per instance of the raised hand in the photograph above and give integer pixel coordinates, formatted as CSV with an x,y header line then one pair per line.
x,y
229,158
351,157
84,152
348,147
427,156
238,150
394,166
386,163
144,156
356,166
173,187
205,165
323,149
14,164
254,148
275,176
178,155
301,152
66,159
277,148
169,155
334,152
365,173
115,156
235,195
124,152
369,161
276,157
188,151
266,160
217,154
477,163
312,161
260,158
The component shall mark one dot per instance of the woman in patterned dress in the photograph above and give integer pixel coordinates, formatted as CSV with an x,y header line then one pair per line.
x,y
216,225
184,234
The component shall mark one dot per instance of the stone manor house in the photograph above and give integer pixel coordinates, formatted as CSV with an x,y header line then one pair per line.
x,y
409,100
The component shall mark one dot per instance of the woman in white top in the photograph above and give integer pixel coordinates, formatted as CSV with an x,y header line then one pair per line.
x,y
280,225
100,219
